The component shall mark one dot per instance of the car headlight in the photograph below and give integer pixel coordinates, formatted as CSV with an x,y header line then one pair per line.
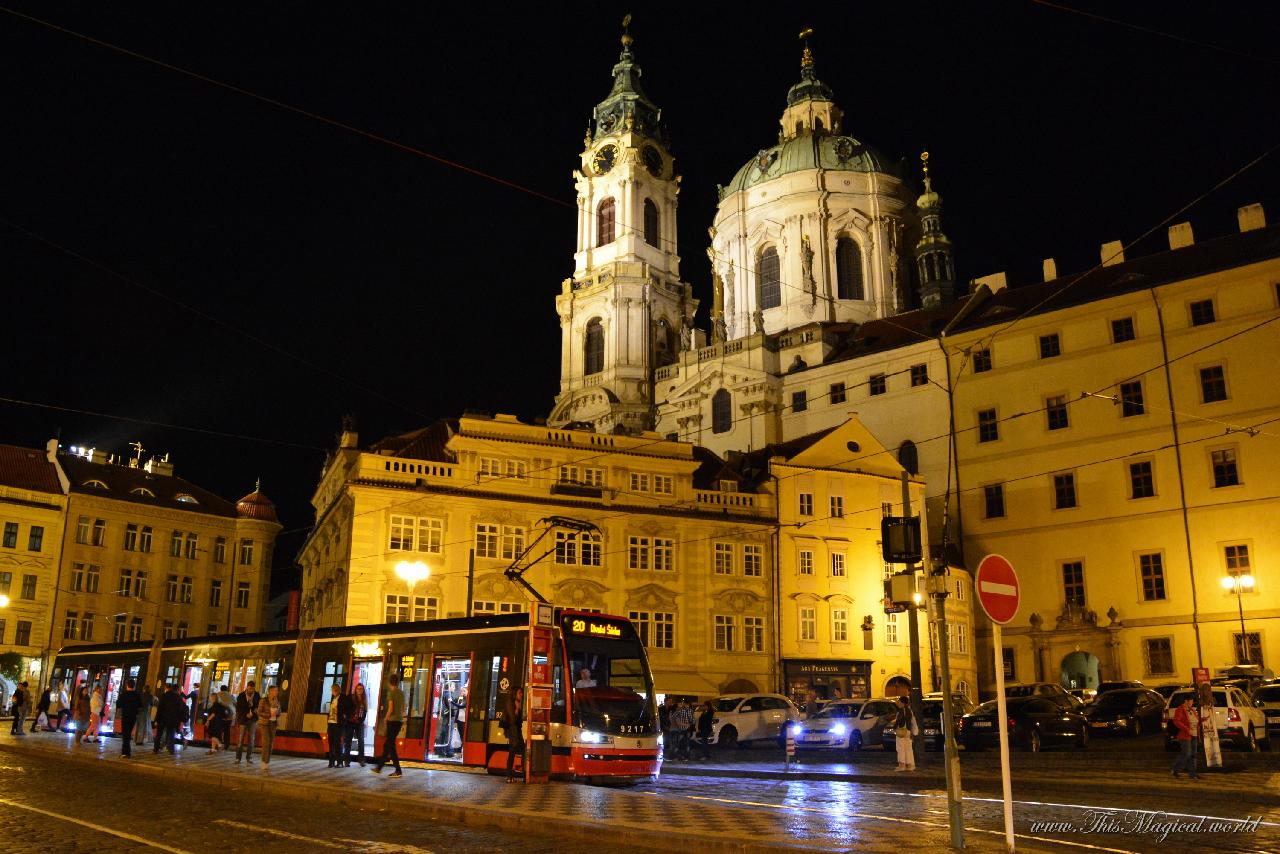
x,y
1122,721
588,737
796,729
839,729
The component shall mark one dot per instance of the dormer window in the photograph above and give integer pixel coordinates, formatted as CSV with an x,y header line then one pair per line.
x,y
185,499
143,491
95,484
728,486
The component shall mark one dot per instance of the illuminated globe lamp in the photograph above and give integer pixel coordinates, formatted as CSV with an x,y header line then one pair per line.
x,y
4,601
411,572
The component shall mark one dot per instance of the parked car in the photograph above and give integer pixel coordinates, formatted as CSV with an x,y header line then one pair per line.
x,y
1118,684
1085,695
1126,711
1034,723
1049,690
845,725
1167,690
1267,698
931,733
1238,721
747,718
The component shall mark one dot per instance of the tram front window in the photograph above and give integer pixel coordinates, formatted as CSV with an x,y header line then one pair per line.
x,y
612,692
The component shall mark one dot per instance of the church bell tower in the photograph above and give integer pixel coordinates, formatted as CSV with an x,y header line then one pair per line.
x,y
624,313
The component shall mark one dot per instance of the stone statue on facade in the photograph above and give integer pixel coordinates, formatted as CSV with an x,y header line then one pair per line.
x,y
757,318
806,269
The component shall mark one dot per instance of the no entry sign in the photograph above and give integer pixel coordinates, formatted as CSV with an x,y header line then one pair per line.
x,y
998,590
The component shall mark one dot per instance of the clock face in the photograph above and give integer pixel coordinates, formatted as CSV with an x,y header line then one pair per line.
x,y
604,159
652,160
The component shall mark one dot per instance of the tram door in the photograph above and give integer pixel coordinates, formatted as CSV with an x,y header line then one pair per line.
x,y
114,676
369,674
450,687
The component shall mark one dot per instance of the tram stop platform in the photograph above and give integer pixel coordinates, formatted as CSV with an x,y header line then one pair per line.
x,y
641,816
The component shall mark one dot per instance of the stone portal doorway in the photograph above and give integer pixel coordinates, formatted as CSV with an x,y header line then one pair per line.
x,y
1080,670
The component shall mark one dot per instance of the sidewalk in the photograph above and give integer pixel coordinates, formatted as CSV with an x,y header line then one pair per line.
x,y
633,816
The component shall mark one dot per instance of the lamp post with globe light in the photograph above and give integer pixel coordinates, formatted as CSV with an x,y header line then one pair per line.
x,y
1240,583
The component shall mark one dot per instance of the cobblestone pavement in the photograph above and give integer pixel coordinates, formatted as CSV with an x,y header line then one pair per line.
x,y
188,802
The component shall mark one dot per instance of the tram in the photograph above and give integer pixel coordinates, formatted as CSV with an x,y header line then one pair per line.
x,y
456,673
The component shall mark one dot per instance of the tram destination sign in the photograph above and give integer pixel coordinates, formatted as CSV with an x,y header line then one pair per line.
x,y
595,627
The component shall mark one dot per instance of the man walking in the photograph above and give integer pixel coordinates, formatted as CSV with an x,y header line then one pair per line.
x,y
127,706
393,720
247,718
168,718
682,725
42,708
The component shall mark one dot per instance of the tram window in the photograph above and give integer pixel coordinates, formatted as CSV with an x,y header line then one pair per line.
x,y
557,696
495,668
333,673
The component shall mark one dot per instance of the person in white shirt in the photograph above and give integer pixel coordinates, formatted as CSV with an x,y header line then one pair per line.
x,y
584,679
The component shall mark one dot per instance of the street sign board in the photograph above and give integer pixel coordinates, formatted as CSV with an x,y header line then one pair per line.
x,y
998,590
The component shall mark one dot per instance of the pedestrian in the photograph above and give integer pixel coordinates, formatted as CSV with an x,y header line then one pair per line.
x,y
269,719
904,728
664,724
1187,721
168,718
247,718
59,706
355,723
393,721
82,709
146,713
128,704
513,726
338,707
812,706
42,709
217,718
682,724
19,709
706,718
95,716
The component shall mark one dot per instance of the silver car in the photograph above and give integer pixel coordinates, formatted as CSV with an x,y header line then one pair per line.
x,y
744,718
845,725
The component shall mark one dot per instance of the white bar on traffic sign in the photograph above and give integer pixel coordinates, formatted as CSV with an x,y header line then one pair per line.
x,y
998,588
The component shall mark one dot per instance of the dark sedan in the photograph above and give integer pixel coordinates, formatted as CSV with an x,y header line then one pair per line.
x,y
1127,711
931,722
1034,723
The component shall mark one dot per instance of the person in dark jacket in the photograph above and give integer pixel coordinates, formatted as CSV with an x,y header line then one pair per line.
x,y
339,709
42,708
247,717
169,717
128,704
513,726
705,719
355,723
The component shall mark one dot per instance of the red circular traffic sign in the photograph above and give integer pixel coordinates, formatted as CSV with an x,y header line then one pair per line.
x,y
998,590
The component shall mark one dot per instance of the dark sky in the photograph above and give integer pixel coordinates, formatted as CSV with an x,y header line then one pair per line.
x,y
312,272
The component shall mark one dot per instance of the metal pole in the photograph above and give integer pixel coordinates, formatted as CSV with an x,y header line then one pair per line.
x,y
951,757
1003,713
471,577
1244,639
913,630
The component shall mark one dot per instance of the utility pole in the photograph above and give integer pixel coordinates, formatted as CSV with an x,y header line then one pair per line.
x,y
912,627
951,757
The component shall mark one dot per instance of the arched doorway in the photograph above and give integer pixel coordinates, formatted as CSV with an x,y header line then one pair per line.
x,y
897,686
1080,670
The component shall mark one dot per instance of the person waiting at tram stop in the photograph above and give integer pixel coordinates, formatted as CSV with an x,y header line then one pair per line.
x,y
269,718
128,704
513,727
904,729
339,708
247,718
706,718
355,723
664,724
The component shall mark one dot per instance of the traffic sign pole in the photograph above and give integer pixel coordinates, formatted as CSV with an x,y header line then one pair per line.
x,y
1003,712
999,594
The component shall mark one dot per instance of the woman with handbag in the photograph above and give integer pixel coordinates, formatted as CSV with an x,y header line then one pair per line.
x,y
904,728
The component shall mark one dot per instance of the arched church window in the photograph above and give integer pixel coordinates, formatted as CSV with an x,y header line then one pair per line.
x,y
606,215
650,222
848,269
817,125
721,411
930,270
943,272
768,271
908,457
593,348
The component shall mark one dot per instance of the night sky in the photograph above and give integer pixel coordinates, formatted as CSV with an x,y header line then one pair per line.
x,y
276,272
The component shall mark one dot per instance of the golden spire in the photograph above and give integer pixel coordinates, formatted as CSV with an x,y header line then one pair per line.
x,y
924,164
626,31
806,59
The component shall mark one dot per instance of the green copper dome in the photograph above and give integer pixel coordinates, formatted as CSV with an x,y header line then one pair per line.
x,y
627,107
804,152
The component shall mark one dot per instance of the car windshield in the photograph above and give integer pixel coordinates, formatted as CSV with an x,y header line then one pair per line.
x,y
988,707
1269,694
1019,690
836,710
1117,700
727,704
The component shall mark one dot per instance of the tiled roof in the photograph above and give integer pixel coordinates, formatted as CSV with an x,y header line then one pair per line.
x,y
425,443
27,468
122,481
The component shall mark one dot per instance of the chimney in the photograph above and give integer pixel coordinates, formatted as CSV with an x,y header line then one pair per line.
x,y
1251,217
350,439
1050,269
159,466
51,450
995,282
1112,253
1180,235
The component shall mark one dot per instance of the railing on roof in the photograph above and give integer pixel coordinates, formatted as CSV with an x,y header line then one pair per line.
x,y
396,468
717,498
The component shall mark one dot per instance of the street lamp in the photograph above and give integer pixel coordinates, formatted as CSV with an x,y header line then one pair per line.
x,y
412,571
1240,583
4,601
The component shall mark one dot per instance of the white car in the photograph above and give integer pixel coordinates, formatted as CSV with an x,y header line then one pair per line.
x,y
845,725
1267,698
744,718
1237,720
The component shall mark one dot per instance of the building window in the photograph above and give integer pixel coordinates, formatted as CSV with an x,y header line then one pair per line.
x,y
1142,482
1131,402
837,564
848,269
211,629
650,222
35,538
752,561
591,551
721,411
246,552
770,282
663,484
416,534
192,546
1236,557
657,629
144,539
397,609
606,215
480,607
651,553
725,628
799,401
131,538
220,550
1064,491
1213,384
1073,582
808,623
185,593
1202,312
960,638
876,384
1050,346
215,593
837,393
175,544
171,589
804,562
28,587
1157,654
891,629
135,629
593,348
988,426
993,501
182,629
126,582
22,636
1122,330
77,577
82,530
166,630
837,506
806,504
1225,471
10,535
1251,656
515,469
6,582
99,532
839,625
242,594
981,361
919,375
1055,409
512,542
1151,568
663,554
723,559
140,584
753,634
71,626
490,467
639,482
119,629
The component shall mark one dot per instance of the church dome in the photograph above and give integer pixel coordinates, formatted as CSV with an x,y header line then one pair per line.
x,y
804,152
255,505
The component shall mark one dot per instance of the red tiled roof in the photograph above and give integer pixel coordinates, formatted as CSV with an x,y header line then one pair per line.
x,y
425,443
28,468
121,482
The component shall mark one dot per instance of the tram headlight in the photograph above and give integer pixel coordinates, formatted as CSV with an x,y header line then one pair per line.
x,y
588,737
